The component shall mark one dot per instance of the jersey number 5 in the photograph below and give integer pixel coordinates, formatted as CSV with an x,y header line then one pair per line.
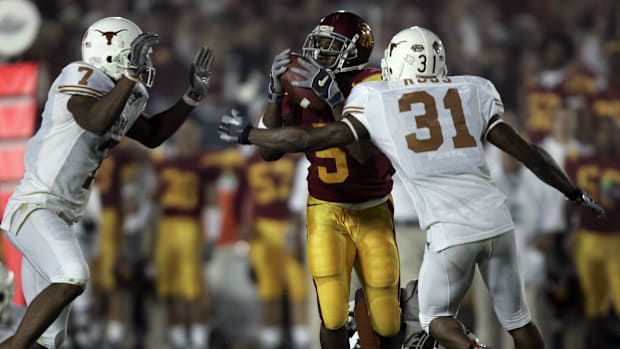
x,y
430,120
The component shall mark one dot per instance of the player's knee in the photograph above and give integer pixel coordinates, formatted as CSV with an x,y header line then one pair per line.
x,y
385,313
268,293
334,319
333,295
75,273
297,291
425,322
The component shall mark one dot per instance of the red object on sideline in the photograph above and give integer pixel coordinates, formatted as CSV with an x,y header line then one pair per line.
x,y
18,79
17,119
18,108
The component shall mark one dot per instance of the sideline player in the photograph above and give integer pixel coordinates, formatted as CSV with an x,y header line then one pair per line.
x,y
349,211
91,105
185,189
431,126
275,249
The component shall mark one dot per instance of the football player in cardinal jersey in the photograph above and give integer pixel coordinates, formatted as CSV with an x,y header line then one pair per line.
x,y
274,248
349,211
185,194
91,105
431,126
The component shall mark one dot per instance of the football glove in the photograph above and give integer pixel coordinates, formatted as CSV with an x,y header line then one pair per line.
x,y
233,128
321,81
276,91
139,57
585,200
199,75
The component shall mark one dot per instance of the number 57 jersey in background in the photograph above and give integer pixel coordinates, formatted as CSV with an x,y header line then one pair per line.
x,y
432,130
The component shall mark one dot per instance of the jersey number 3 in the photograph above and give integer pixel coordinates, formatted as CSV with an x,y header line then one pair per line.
x,y
430,120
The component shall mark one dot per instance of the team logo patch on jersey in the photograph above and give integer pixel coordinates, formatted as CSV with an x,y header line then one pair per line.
x,y
110,35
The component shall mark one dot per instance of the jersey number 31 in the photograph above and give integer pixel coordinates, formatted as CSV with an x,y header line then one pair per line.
x,y
430,120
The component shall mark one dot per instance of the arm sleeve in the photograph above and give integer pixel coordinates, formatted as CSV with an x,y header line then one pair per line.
x,y
80,78
357,103
491,106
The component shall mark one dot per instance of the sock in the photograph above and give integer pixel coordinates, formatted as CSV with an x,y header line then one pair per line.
x,y
270,337
177,336
114,332
199,334
300,336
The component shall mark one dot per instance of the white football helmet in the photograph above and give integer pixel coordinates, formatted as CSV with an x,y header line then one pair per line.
x,y
107,45
7,289
414,52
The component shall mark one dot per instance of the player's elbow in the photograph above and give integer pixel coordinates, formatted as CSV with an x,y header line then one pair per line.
x,y
151,143
91,125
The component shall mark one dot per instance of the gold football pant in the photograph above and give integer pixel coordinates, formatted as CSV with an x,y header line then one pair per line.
x,y
598,267
110,236
275,267
339,239
177,258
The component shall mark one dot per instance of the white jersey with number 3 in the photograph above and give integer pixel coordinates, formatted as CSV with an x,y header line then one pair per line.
x,y
62,158
432,131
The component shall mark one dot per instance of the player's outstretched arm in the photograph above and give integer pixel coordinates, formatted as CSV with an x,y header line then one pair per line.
x,y
541,164
98,115
155,130
291,139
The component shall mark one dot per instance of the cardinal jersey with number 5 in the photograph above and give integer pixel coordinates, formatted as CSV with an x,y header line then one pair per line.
x,y
62,158
432,130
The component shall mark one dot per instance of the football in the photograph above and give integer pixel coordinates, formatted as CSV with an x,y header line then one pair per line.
x,y
304,97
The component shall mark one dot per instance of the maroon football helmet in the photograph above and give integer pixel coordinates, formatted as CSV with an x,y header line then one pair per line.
x,y
341,42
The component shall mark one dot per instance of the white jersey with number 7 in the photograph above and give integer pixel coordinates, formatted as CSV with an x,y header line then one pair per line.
x,y
62,158
432,130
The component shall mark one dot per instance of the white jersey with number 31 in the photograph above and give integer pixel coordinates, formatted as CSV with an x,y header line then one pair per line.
x,y
432,131
62,158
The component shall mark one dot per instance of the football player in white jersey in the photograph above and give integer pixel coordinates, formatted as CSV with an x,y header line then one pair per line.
x,y
432,126
91,105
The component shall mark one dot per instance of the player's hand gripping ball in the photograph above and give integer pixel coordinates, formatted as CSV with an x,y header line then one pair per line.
x,y
302,96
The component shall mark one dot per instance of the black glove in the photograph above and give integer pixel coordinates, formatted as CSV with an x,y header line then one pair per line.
x,y
233,129
139,58
321,81
585,200
280,61
199,74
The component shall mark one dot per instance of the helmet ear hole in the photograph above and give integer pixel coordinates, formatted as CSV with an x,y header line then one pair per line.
x,y
109,59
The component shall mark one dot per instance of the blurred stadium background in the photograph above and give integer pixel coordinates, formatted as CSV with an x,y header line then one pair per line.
x,y
540,54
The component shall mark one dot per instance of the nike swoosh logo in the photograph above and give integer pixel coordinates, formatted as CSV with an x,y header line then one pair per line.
x,y
323,81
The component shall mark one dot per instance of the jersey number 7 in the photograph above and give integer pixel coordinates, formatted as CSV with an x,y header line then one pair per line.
x,y
430,120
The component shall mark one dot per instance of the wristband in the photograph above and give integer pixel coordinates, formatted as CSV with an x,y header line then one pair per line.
x,y
335,100
272,96
244,138
189,100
